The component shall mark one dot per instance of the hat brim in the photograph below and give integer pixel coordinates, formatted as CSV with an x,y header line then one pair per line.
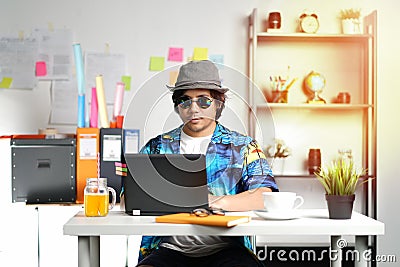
x,y
198,86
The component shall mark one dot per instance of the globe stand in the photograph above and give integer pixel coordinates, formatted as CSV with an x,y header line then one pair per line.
x,y
316,99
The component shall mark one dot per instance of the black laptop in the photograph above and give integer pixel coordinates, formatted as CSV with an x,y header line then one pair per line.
x,y
159,184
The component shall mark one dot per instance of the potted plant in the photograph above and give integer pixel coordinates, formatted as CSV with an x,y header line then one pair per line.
x,y
340,182
277,153
350,21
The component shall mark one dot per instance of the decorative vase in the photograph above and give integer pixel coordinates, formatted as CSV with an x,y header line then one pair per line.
x,y
314,160
278,166
340,207
351,26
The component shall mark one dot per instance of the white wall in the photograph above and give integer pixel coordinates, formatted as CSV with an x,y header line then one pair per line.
x,y
388,133
140,29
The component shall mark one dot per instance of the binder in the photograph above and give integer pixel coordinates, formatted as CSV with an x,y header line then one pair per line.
x,y
211,220
130,144
110,153
87,149
131,138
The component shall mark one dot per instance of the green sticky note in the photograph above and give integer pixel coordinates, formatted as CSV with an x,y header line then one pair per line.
x,y
200,53
156,63
6,82
127,81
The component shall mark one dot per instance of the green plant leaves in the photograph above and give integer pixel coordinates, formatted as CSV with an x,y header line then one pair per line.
x,y
341,178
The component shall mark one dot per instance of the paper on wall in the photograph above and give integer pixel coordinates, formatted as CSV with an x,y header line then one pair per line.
x,y
17,62
110,66
54,48
64,105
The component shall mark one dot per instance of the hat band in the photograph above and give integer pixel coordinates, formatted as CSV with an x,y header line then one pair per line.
x,y
181,84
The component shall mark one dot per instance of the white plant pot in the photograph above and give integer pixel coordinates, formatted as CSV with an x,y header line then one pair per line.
x,y
351,26
278,166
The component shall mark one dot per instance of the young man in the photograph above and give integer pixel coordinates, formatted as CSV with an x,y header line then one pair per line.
x,y
237,171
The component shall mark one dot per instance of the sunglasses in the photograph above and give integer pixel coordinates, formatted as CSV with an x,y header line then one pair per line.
x,y
206,212
203,102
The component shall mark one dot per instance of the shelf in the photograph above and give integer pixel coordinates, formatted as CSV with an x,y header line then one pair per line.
x,y
314,106
299,176
349,63
312,176
264,36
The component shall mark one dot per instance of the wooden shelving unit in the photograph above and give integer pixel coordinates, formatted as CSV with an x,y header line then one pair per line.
x,y
348,63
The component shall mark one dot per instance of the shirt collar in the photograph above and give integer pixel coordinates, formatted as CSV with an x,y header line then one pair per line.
x,y
220,135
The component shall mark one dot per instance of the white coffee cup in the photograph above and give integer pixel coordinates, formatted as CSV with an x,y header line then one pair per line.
x,y
282,201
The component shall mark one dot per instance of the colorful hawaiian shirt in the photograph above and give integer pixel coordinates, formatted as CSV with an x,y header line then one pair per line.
x,y
235,163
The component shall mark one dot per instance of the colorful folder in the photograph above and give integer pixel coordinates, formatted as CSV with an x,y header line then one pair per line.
x,y
87,150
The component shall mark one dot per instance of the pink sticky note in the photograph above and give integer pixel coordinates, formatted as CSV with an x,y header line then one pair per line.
x,y
41,69
175,54
120,164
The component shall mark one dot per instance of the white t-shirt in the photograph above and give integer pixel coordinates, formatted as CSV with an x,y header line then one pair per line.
x,y
195,246
194,145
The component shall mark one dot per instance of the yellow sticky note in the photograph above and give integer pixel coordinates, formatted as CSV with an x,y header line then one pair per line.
x,y
173,75
200,53
6,82
127,81
156,63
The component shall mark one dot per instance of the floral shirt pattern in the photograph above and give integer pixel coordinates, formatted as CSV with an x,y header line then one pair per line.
x,y
235,163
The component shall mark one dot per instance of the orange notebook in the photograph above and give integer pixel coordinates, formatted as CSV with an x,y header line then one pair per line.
x,y
213,220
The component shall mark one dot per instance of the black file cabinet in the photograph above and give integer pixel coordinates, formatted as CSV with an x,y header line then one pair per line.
x,y
43,170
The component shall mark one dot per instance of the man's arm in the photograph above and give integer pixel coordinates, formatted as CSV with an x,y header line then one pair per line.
x,y
245,201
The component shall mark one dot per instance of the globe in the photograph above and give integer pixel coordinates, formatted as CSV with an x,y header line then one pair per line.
x,y
315,83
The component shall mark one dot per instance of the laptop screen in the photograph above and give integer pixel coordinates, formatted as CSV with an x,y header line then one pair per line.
x,y
159,184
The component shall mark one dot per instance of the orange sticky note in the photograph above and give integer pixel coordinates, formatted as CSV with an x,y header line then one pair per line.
x,y
6,82
175,54
200,53
173,75
156,63
41,69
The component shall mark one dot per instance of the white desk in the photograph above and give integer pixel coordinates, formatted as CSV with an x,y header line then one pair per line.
x,y
309,223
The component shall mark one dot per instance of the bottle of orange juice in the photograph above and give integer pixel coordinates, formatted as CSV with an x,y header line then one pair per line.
x,y
96,200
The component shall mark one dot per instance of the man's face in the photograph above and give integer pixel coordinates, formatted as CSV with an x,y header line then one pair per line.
x,y
198,120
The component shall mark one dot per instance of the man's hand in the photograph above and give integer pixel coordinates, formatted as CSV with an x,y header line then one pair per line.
x,y
245,201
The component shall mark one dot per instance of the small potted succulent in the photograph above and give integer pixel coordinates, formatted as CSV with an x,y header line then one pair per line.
x,y
351,21
340,182
277,153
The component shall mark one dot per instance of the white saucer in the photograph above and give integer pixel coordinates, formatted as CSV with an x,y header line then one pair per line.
x,y
277,215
